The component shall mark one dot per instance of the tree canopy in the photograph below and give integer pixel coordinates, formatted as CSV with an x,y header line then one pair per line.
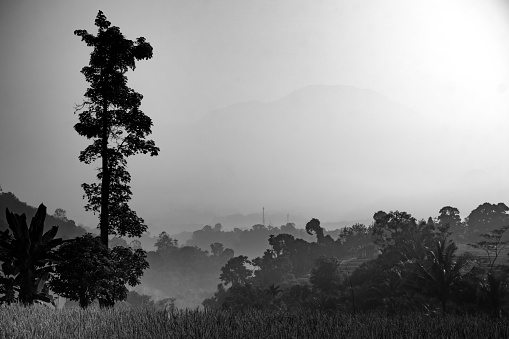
x,y
110,115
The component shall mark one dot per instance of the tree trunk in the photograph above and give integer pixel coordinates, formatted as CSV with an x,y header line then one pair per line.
x,y
26,286
105,183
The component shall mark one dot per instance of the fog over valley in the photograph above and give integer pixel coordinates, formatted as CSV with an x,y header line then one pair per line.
x,y
338,153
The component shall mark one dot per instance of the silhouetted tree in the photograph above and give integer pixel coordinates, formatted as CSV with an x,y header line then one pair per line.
x,y
91,271
110,115
235,272
441,271
127,268
492,245
60,213
216,248
84,266
271,269
399,235
485,218
28,256
357,240
164,242
314,226
450,217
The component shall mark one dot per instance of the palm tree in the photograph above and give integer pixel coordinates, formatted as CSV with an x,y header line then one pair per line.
x,y
441,270
495,292
27,256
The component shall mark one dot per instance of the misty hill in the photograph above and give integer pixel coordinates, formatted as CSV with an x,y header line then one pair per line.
x,y
67,229
324,150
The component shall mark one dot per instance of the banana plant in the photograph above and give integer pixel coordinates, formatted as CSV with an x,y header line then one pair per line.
x,y
27,256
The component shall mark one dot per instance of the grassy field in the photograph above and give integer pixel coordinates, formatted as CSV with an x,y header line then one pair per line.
x,y
42,322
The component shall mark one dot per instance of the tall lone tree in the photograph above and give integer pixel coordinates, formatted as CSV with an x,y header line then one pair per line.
x,y
111,117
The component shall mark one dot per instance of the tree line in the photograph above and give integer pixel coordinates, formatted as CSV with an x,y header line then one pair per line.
x,y
407,265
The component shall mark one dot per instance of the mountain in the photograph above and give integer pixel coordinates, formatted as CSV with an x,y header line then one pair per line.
x,y
318,152
67,229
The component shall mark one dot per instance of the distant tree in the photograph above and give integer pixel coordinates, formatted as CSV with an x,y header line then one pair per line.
x,y
491,243
288,228
235,272
110,115
485,218
298,251
313,226
399,232
135,244
282,244
271,269
216,248
115,241
326,275
60,213
357,240
164,242
228,253
450,217
27,257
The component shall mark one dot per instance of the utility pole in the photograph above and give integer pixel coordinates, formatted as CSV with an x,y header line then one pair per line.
x,y
263,216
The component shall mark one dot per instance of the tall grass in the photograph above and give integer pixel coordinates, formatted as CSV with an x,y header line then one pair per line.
x,y
40,322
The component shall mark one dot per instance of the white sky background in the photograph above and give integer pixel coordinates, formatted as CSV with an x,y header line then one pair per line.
x,y
446,59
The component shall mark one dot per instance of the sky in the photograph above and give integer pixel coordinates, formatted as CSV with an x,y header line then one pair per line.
x,y
445,60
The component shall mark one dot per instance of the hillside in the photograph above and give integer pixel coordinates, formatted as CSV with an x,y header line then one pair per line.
x,y
67,229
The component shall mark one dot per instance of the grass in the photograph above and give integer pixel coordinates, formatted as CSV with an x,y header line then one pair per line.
x,y
41,322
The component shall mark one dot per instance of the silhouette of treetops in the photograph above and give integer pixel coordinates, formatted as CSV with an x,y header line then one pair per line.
x,y
110,115
313,226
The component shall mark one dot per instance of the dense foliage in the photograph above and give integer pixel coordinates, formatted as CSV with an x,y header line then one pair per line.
x,y
102,275
27,256
67,228
402,265
110,115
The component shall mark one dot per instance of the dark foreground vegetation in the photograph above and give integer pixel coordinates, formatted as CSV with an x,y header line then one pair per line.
x,y
39,322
